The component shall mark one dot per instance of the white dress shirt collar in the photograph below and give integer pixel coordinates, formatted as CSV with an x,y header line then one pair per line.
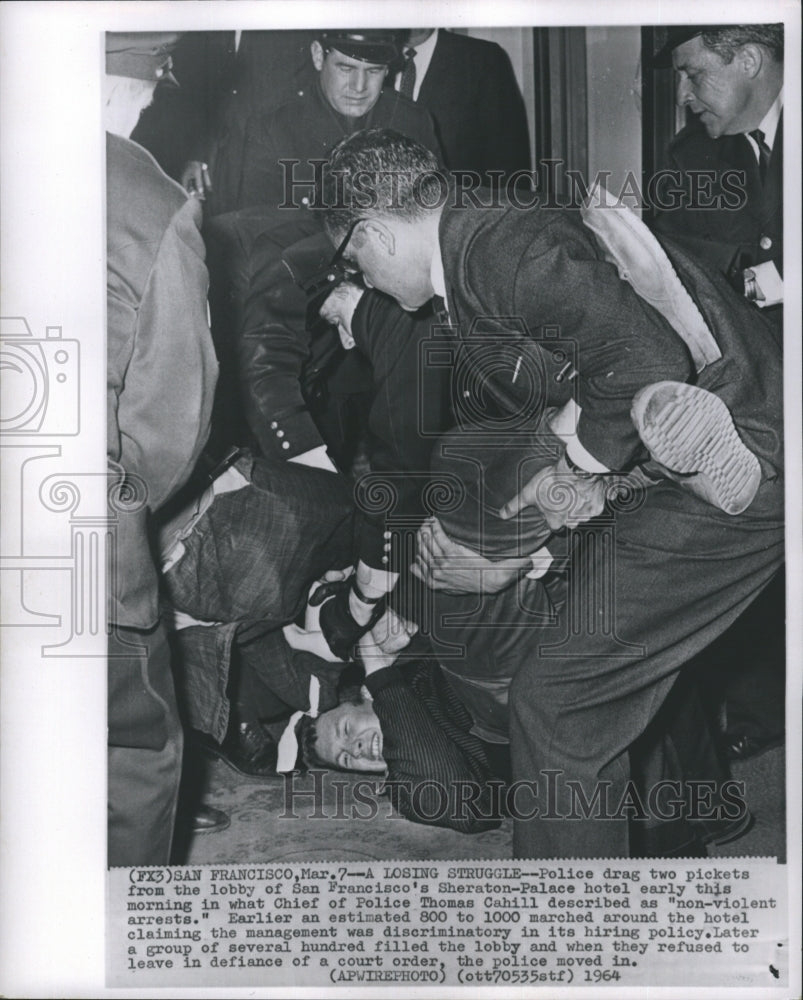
x,y
769,123
436,274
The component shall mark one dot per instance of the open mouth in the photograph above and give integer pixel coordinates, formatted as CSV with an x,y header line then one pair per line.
x,y
375,748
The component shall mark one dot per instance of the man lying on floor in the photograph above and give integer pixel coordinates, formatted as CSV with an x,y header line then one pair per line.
x,y
265,522
237,568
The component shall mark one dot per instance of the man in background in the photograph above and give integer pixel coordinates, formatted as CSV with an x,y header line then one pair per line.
x,y
467,85
347,95
197,132
731,79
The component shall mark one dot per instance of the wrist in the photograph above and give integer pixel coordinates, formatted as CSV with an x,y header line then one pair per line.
x,y
372,582
359,610
361,595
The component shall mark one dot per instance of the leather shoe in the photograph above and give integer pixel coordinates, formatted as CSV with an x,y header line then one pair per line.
x,y
248,750
741,747
687,838
722,831
207,819
670,839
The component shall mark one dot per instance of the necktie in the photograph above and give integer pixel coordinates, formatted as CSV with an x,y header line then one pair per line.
x,y
764,153
407,83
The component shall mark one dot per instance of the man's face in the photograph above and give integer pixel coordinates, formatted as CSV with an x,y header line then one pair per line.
x,y
393,260
719,92
352,87
350,737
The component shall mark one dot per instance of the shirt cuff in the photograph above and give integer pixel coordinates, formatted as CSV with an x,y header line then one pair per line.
x,y
563,425
317,458
542,562
770,284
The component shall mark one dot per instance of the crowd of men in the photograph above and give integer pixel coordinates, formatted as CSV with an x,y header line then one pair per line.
x,y
439,489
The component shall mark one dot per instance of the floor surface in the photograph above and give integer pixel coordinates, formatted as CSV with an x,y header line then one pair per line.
x,y
269,823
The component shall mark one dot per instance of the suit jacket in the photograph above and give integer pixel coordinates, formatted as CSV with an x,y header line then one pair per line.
x,y
161,366
536,306
731,238
515,279
305,129
220,89
429,748
471,92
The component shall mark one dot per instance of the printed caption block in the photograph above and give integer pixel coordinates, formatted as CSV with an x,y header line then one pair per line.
x,y
585,923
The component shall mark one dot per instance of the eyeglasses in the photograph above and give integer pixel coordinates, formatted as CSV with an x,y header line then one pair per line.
x,y
338,255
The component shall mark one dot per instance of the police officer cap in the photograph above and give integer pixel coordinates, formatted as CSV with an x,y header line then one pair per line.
x,y
674,36
367,45
141,55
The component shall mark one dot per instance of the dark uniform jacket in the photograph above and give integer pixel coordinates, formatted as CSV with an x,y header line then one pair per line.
x,y
305,129
220,90
289,358
748,227
472,94
161,366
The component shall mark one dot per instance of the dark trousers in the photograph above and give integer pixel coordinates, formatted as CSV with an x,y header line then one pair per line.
x,y
745,669
671,577
145,748
647,590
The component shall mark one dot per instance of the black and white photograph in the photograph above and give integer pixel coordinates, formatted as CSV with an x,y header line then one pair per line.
x,y
433,619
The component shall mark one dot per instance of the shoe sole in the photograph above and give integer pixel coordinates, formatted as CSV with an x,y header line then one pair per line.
x,y
690,432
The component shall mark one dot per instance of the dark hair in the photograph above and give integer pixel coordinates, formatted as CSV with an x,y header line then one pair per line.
x,y
378,172
725,41
307,735
308,732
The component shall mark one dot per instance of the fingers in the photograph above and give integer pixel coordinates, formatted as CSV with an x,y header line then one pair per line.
x,y
434,543
442,544
438,557
512,507
337,574
392,632
321,593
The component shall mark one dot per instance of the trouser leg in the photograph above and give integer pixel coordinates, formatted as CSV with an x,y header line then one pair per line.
x,y
676,752
748,670
672,575
145,749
